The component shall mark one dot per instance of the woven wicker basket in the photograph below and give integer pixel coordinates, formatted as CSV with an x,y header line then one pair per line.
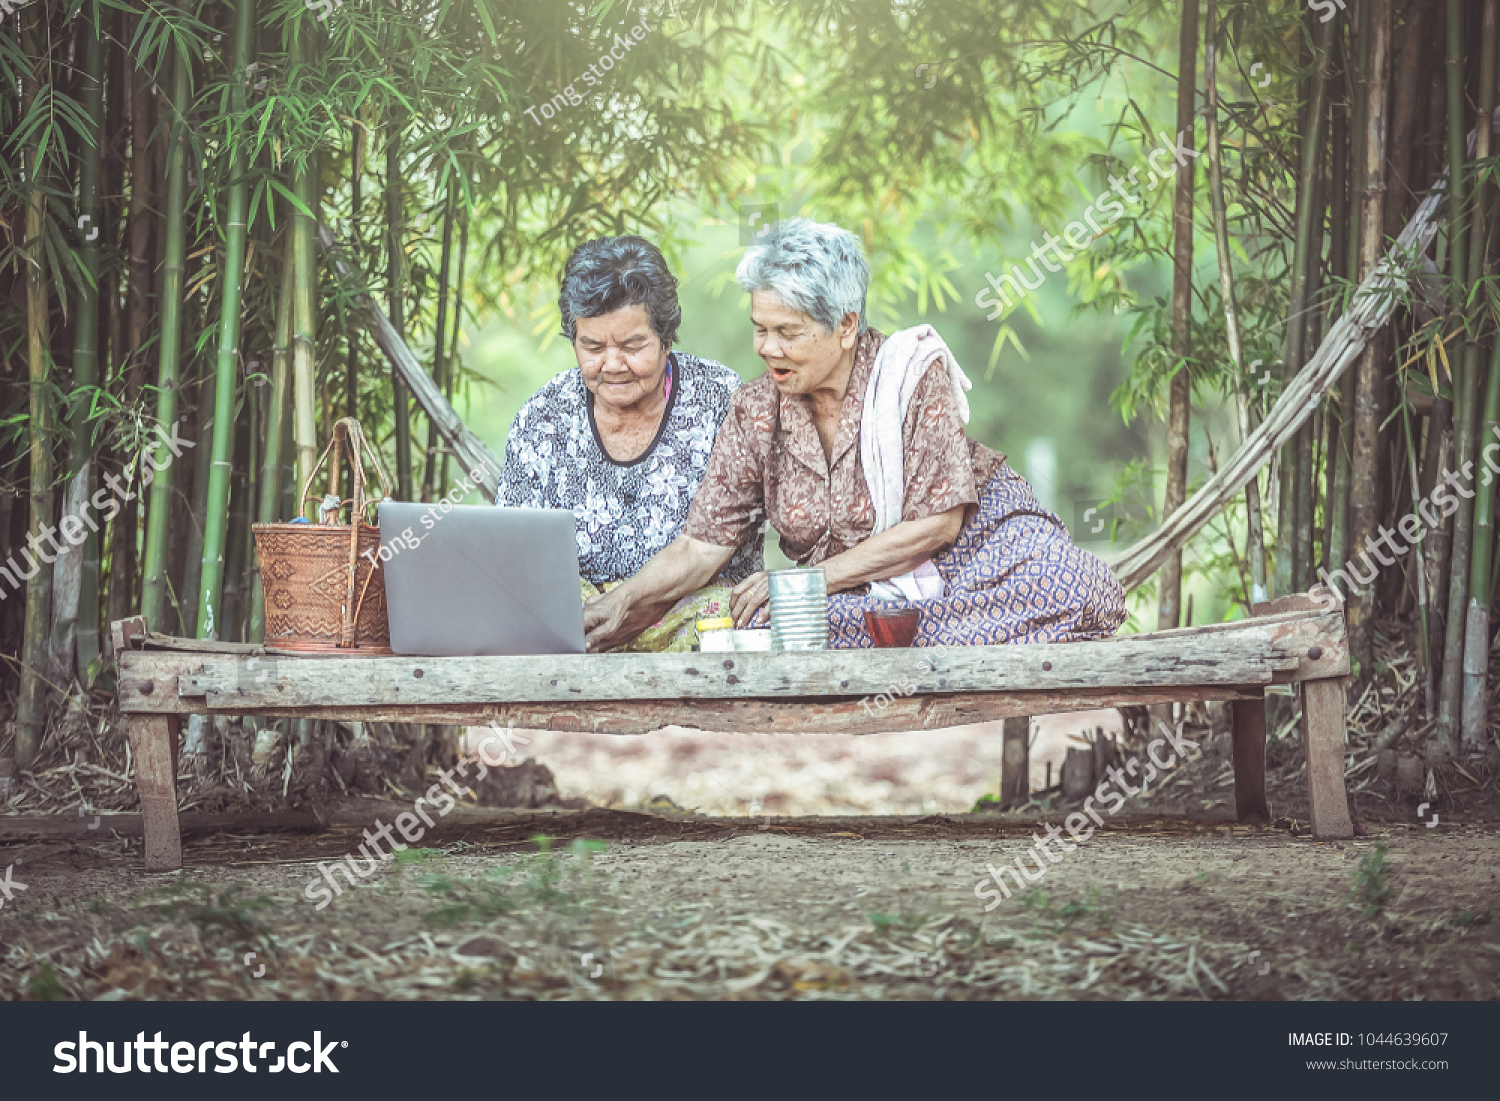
x,y
324,588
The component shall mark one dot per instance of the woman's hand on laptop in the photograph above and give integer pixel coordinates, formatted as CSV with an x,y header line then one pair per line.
x,y
603,617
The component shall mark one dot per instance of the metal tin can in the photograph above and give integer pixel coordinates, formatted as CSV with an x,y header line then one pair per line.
x,y
799,609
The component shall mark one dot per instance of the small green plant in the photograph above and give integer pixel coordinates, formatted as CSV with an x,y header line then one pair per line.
x,y
1372,885
481,900
906,919
44,987
216,913
1075,910
416,856
1038,902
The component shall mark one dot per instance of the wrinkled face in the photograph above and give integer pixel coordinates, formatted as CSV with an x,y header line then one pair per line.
x,y
622,359
799,355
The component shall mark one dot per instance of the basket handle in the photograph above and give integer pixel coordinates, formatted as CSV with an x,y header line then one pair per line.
x,y
348,432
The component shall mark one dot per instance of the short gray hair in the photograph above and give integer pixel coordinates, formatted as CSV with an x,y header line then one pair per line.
x,y
812,267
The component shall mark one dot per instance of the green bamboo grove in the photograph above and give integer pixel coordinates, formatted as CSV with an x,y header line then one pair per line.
x,y
177,349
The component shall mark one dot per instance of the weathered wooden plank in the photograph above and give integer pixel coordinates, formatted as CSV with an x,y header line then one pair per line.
x,y
154,641
124,632
102,826
1253,654
1317,659
147,681
153,740
797,716
1323,742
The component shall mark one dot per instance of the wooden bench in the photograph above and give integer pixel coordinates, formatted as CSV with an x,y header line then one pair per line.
x,y
1297,640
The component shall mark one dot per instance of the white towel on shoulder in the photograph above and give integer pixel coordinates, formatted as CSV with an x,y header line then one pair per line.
x,y
899,366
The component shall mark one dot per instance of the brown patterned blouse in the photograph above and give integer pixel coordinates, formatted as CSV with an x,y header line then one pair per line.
x,y
768,462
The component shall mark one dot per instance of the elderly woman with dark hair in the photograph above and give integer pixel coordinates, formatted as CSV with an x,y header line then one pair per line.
x,y
623,440
853,445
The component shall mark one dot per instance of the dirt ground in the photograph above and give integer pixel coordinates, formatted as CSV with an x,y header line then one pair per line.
x,y
726,866
690,907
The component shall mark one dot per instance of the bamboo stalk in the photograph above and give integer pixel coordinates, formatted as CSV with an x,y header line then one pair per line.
x,y
1255,549
1424,635
1481,592
356,203
304,321
268,506
1364,475
1336,510
395,271
191,568
1169,595
126,543
1457,148
216,514
1466,408
1343,545
430,467
1294,541
458,318
1441,428
81,467
237,554
154,569
1477,613
31,706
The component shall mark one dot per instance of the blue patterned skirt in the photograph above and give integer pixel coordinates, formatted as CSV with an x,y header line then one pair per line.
x,y
1012,575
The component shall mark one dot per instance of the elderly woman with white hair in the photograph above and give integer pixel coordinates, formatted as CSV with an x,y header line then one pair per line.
x,y
852,446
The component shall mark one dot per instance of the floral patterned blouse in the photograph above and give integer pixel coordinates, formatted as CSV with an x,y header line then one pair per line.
x,y
769,462
625,511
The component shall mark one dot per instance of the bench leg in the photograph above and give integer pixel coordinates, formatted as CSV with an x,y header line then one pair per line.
x,y
153,740
1323,745
1249,722
1015,762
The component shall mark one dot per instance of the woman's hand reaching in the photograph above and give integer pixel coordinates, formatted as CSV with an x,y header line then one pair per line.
x,y
748,597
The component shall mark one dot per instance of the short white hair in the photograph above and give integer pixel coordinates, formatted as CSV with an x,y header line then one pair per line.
x,y
812,267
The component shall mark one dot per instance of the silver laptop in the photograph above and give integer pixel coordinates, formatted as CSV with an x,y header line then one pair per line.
x,y
481,580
